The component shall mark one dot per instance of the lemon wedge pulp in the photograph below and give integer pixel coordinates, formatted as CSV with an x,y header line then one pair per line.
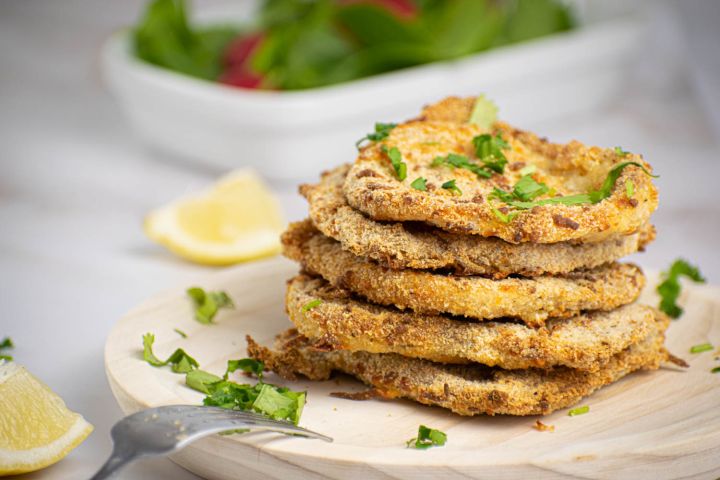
x,y
237,220
36,428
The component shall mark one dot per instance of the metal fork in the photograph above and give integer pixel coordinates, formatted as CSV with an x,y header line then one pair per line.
x,y
164,430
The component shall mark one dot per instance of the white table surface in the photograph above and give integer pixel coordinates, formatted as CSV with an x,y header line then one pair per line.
x,y
75,184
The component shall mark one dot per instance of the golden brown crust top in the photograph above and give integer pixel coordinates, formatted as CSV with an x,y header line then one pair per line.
x,y
341,322
373,187
532,300
465,389
407,245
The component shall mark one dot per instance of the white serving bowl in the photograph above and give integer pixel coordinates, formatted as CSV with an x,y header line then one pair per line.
x,y
293,135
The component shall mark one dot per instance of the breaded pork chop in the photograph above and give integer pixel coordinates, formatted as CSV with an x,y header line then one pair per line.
x,y
407,245
465,389
531,300
341,322
467,206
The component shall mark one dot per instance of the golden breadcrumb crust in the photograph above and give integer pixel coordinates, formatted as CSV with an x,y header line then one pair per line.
x,y
373,187
341,322
410,245
532,300
465,389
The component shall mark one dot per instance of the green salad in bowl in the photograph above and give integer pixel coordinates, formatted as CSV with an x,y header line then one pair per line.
x,y
303,44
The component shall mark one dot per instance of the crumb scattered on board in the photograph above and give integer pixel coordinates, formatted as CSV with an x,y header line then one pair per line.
x,y
542,427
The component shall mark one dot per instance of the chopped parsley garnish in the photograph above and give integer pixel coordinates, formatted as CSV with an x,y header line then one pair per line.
x,y
201,380
579,411
454,160
382,130
450,185
419,184
207,304
525,190
5,345
528,189
504,217
715,370
180,332
620,152
703,347
489,150
669,288
629,188
484,112
247,365
398,165
279,403
180,361
311,304
427,437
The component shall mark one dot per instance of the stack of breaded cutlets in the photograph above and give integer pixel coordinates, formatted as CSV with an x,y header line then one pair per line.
x,y
463,263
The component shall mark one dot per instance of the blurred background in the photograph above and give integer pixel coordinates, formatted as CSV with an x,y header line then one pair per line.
x,y
100,124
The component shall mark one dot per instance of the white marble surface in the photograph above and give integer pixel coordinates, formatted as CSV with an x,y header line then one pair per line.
x,y
75,185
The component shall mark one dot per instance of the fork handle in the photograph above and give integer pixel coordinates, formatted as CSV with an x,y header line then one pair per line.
x,y
116,462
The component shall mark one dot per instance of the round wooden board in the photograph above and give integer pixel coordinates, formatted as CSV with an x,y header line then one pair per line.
x,y
662,424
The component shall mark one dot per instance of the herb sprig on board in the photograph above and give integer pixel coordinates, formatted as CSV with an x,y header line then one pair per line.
x,y
207,304
669,289
6,344
427,437
279,403
179,360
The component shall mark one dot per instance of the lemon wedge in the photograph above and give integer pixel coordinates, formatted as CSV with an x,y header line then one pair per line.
x,y
36,428
239,219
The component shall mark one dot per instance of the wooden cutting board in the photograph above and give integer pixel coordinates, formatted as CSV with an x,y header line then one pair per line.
x,y
658,425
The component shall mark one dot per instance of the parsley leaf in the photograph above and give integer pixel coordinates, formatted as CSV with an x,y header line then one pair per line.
x,y
450,185
703,347
620,152
6,344
454,160
311,304
207,304
527,188
489,150
504,217
396,160
419,184
612,176
579,411
247,365
274,401
179,361
382,130
279,403
484,112
715,370
427,437
669,288
201,380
